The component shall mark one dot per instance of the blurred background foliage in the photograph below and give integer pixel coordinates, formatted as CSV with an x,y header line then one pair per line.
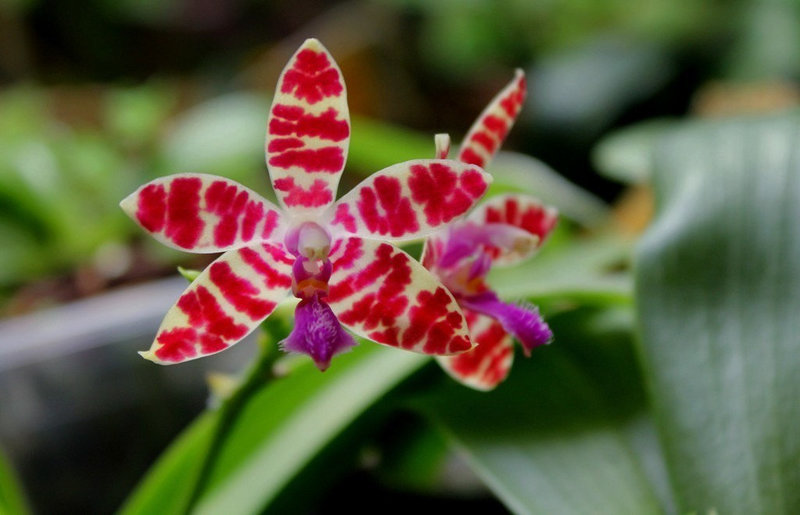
x,y
99,96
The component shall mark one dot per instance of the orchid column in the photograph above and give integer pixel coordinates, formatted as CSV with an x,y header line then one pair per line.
x,y
333,256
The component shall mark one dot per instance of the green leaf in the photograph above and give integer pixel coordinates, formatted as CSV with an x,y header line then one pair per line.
x,y
12,501
280,429
513,171
286,424
168,486
718,289
583,270
554,438
627,154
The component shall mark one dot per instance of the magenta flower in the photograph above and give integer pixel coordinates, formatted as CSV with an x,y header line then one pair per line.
x,y
502,231
332,256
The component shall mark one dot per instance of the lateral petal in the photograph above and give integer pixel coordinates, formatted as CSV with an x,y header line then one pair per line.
x,y
380,292
522,212
490,129
409,200
308,130
224,304
203,213
489,363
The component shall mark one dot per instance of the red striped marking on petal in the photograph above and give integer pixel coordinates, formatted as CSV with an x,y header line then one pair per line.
x,y
291,120
226,301
489,131
409,200
521,211
308,130
379,292
312,77
489,363
202,213
316,195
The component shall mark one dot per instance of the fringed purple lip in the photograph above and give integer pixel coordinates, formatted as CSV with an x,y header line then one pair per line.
x,y
524,323
317,332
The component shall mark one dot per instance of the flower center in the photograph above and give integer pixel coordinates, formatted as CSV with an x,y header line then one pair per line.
x,y
308,240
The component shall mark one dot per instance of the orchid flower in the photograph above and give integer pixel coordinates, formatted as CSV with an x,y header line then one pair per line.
x,y
332,256
502,231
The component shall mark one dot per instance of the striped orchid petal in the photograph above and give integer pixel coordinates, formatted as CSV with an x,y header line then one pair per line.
x,y
522,212
224,304
308,130
381,293
409,200
489,363
490,129
203,213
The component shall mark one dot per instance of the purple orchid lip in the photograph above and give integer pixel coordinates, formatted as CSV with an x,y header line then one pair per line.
x,y
317,332
524,323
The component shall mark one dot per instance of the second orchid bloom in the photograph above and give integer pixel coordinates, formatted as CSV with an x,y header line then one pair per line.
x,y
333,256
502,231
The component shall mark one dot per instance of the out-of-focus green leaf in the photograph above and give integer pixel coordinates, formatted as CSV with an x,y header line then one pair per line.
x,y
282,428
583,90
376,145
135,114
513,171
718,290
12,501
768,46
223,136
582,270
168,486
627,154
553,438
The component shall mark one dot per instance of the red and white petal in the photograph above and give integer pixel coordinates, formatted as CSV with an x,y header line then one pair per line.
x,y
308,130
380,292
224,304
489,363
409,200
203,213
523,212
490,129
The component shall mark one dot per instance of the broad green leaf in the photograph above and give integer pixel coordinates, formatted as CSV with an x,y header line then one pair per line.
x,y
283,426
718,290
627,154
168,486
555,437
513,171
584,270
12,501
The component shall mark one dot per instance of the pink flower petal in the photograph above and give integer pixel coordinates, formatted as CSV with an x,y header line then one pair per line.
x,y
489,363
224,304
409,200
203,213
490,129
308,130
380,292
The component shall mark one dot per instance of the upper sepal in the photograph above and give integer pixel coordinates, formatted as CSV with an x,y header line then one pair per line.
x,y
487,134
308,130
203,213
409,200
